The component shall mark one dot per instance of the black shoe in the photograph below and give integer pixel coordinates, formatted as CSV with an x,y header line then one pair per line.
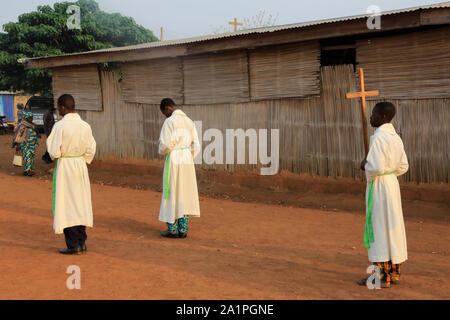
x,y
182,235
363,282
76,250
167,234
47,159
383,283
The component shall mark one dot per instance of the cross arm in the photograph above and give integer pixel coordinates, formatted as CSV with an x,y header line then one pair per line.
x,y
353,95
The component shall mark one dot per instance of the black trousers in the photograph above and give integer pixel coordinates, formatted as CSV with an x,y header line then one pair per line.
x,y
75,236
46,157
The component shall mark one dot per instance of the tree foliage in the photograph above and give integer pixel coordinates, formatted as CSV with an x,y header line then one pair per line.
x,y
44,33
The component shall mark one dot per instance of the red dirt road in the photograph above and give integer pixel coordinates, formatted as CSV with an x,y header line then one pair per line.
x,y
234,251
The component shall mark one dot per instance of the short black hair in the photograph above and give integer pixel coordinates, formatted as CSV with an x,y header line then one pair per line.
x,y
167,102
67,101
386,109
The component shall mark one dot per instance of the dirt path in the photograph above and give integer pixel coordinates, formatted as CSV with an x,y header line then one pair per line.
x,y
234,251
288,190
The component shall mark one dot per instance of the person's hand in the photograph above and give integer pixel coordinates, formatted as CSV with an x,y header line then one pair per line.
x,y
363,165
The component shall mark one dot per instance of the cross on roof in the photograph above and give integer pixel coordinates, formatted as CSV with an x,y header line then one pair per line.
x,y
236,24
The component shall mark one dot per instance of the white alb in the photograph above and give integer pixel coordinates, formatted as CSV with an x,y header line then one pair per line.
x,y
386,155
72,137
179,137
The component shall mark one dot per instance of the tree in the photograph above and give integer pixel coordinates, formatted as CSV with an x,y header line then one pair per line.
x,y
44,33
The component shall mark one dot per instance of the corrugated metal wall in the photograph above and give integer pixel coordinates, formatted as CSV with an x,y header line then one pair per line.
x,y
318,135
7,107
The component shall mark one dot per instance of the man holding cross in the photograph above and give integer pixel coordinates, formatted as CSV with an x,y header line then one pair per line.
x,y
385,236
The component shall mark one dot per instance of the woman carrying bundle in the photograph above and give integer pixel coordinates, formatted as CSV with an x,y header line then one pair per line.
x,y
26,141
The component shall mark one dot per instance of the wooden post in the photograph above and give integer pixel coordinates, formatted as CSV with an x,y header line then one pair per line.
x,y
363,94
162,34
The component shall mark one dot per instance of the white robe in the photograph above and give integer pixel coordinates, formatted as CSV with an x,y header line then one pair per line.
x,y
179,132
72,137
386,154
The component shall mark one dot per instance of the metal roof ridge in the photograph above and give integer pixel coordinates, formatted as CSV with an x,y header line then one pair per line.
x,y
156,44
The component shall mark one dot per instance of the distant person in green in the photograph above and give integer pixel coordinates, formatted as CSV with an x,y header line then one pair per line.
x,y
26,141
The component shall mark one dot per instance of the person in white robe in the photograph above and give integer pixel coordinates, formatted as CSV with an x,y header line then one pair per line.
x,y
180,144
385,236
72,145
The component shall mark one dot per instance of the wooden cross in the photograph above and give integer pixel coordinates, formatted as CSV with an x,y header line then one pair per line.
x,y
236,24
363,94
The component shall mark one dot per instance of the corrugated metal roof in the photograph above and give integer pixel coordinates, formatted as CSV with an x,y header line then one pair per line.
x,y
254,31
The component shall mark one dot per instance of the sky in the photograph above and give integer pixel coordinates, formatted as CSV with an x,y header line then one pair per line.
x,y
191,18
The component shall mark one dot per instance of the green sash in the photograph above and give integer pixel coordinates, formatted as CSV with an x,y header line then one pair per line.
x,y
368,233
54,179
166,174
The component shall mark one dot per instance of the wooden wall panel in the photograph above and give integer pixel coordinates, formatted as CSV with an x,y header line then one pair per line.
x,y
408,66
82,82
216,78
319,135
148,82
285,71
